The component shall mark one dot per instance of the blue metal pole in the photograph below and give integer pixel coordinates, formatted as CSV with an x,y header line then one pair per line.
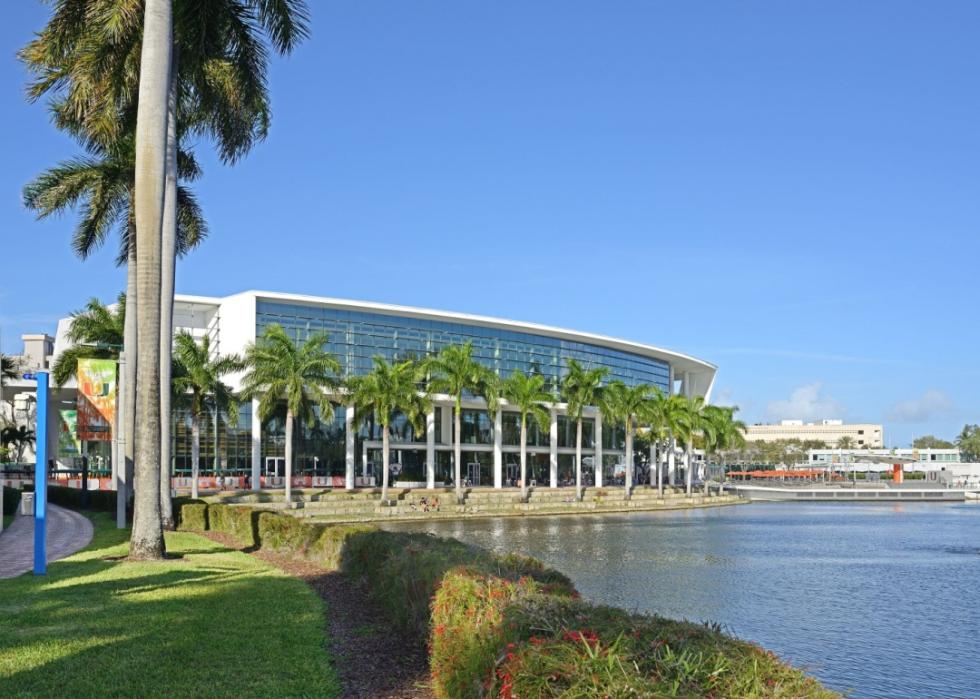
x,y
41,476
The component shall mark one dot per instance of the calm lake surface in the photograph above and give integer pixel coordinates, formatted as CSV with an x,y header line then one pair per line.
x,y
879,599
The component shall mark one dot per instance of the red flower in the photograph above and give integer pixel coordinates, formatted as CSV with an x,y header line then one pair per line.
x,y
585,636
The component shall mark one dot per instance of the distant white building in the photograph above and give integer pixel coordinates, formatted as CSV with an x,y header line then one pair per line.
x,y
18,395
827,431
941,465
933,458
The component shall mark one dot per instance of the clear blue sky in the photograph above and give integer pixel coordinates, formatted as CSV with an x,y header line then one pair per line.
x,y
789,190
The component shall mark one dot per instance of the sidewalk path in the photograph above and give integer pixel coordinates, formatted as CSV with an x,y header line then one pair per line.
x,y
68,531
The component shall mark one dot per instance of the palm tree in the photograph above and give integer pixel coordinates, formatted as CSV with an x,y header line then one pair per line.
x,y
454,371
968,442
697,425
303,376
656,414
102,183
626,404
198,384
94,332
727,433
527,394
87,56
16,438
581,387
146,541
385,392
9,367
675,417
845,442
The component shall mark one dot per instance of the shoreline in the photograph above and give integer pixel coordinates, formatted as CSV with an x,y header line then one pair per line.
x,y
364,507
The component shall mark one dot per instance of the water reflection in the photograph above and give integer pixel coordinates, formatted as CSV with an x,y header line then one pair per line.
x,y
878,598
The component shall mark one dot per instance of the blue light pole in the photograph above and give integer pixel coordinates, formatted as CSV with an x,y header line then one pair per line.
x,y
41,474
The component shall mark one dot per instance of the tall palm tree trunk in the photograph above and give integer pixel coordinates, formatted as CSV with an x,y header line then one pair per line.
x,y
168,264
660,472
628,477
654,470
523,459
146,541
128,392
457,453
688,469
385,459
195,454
289,457
578,460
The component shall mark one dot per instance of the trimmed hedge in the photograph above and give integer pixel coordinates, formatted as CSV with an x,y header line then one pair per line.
x,y
100,500
405,570
11,500
190,515
238,522
321,544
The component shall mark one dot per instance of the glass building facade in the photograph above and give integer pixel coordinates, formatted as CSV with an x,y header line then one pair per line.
x,y
356,336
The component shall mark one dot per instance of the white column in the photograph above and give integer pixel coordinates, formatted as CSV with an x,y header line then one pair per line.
x,y
553,441
256,446
430,449
364,460
350,448
598,449
671,462
447,424
498,450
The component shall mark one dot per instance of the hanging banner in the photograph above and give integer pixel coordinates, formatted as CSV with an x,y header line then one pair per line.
x,y
96,399
68,442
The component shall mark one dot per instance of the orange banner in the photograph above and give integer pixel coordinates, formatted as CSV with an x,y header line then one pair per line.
x,y
96,399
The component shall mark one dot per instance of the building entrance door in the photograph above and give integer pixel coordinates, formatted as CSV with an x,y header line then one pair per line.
x,y
473,473
275,466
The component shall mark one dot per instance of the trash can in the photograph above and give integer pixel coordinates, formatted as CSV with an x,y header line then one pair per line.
x,y
27,504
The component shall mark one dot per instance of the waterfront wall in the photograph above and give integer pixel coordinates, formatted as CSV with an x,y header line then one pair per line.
x,y
340,506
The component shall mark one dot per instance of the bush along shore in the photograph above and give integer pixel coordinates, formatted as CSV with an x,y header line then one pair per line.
x,y
506,625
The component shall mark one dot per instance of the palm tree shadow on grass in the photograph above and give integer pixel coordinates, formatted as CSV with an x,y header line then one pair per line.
x,y
88,630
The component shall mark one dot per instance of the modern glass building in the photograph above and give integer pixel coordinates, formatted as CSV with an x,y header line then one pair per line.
x,y
341,449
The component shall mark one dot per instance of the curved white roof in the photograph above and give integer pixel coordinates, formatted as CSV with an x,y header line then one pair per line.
x,y
702,372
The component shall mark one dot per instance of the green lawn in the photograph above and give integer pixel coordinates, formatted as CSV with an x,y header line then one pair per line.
x,y
212,623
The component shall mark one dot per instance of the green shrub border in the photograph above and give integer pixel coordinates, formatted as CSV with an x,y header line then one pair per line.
x,y
11,500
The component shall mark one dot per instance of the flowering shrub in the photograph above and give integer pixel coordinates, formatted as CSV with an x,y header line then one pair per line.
x,y
560,647
469,630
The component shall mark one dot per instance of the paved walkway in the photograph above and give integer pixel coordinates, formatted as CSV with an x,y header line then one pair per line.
x,y
68,531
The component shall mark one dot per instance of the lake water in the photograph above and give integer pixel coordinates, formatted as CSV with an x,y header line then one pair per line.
x,y
879,599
